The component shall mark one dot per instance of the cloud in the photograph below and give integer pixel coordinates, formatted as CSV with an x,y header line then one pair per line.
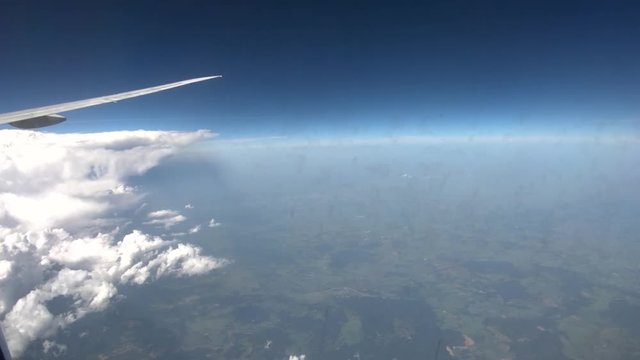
x,y
297,357
213,223
189,206
60,237
53,348
195,229
76,173
5,269
166,218
162,214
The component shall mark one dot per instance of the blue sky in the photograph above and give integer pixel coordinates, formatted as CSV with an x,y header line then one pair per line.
x,y
330,67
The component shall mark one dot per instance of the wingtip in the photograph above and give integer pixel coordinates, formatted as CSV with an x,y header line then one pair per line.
x,y
204,78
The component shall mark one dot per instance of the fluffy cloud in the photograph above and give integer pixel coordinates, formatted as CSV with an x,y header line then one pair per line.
x,y
59,237
90,269
193,230
213,223
5,269
76,173
166,218
53,348
297,357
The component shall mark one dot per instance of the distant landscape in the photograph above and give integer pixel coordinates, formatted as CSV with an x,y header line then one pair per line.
x,y
392,251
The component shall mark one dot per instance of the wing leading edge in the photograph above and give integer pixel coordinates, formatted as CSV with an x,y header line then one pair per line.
x,y
48,115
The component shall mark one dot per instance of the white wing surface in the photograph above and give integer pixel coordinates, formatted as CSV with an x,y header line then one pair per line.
x,y
48,115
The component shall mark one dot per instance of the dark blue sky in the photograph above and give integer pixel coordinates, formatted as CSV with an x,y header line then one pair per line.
x,y
326,67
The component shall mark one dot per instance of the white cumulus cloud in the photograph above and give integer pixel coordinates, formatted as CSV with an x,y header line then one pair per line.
x,y
59,237
53,348
166,218
5,269
213,223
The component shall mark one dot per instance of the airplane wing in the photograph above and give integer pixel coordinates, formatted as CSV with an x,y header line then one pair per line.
x,y
48,115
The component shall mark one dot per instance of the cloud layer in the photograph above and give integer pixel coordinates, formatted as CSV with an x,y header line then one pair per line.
x,y
59,238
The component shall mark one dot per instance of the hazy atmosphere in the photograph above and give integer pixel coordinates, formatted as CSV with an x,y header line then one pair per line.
x,y
433,180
